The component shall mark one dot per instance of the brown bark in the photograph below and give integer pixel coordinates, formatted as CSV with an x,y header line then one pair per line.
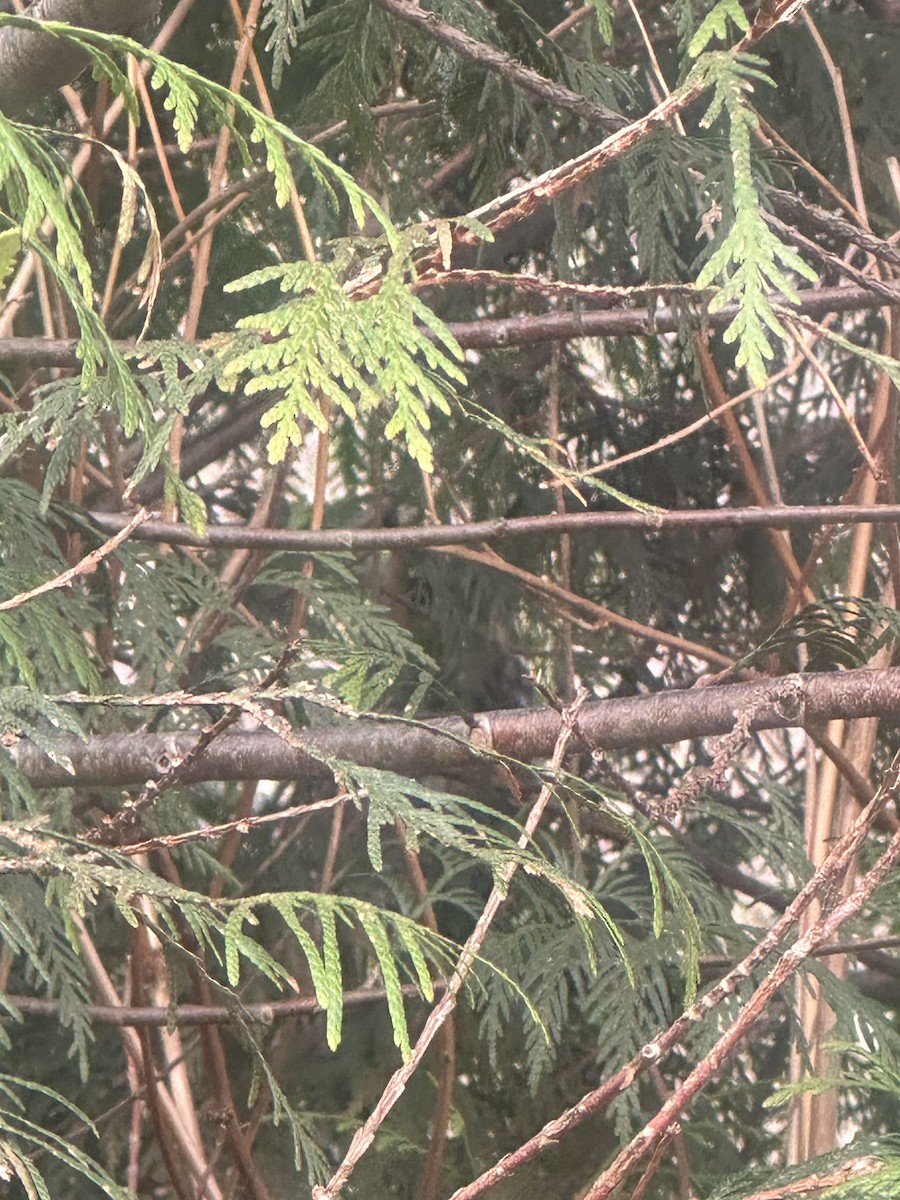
x,y
448,744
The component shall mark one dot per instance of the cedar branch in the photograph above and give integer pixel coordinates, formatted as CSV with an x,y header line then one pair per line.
x,y
448,743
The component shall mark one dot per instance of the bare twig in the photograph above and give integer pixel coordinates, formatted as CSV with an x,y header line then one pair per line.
x,y
396,1086
445,1046
715,389
499,332
821,1181
86,566
502,64
406,537
239,825
265,1013
200,277
599,614
837,83
166,1113
506,210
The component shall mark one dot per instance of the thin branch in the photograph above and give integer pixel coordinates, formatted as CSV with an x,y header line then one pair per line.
x,y
166,1114
832,261
768,133
408,537
86,566
599,615
396,1085
238,825
264,1013
522,201
503,64
857,1168
499,332
841,404
840,96
430,1175
503,211
737,443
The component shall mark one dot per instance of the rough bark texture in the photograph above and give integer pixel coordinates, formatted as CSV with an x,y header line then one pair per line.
x,y
448,743
34,64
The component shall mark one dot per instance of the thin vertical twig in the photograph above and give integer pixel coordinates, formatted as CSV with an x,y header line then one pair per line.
x,y
841,855
445,1044
830,802
17,290
200,278
823,931
396,1085
157,1091
840,96
716,391
567,688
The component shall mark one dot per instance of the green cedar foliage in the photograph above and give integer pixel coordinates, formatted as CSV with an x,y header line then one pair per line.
x,y
620,910
321,348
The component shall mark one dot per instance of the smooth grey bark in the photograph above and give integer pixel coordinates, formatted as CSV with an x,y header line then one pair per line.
x,y
474,533
558,326
449,744
33,64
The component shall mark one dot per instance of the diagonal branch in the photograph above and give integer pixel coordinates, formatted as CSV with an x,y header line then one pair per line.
x,y
802,212
505,65
396,1085
86,566
839,857
827,877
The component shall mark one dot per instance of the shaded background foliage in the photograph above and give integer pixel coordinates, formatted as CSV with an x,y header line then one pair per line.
x,y
416,632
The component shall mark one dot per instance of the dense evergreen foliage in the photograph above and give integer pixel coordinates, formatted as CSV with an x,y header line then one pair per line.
x,y
346,842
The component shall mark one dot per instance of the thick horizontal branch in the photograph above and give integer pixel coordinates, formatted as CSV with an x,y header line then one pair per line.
x,y
517,331
448,744
366,541
33,64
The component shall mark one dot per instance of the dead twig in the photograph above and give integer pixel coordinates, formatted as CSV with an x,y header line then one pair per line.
x,y
396,1086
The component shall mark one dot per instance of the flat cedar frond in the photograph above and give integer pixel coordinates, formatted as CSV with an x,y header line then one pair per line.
x,y
716,25
321,348
360,652
42,640
844,631
21,1138
748,261
493,334
286,18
